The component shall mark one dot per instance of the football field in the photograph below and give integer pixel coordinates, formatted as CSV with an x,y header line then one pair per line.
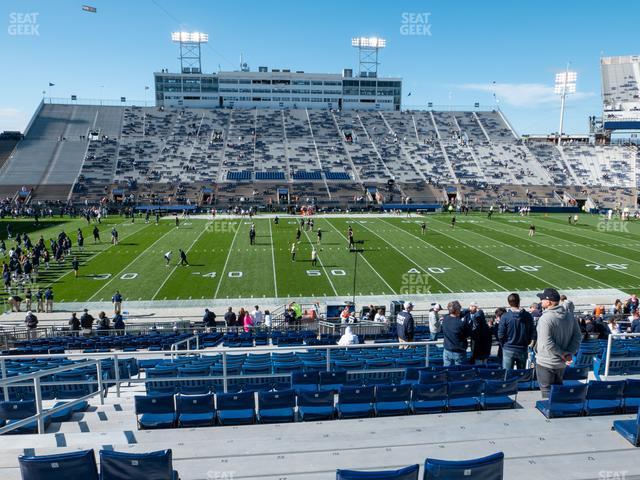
x,y
395,257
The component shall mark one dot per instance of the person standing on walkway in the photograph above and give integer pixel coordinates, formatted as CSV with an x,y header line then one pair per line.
x,y
559,338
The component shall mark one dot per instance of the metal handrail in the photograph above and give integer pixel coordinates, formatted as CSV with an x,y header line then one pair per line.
x,y
174,346
617,359
35,376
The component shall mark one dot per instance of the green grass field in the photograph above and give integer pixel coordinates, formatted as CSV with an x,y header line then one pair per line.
x,y
479,255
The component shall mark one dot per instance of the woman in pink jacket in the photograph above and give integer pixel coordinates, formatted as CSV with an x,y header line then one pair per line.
x,y
247,322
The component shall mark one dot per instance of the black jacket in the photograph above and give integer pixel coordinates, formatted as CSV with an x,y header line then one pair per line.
x,y
481,337
516,330
209,319
86,321
456,331
406,326
230,319
74,323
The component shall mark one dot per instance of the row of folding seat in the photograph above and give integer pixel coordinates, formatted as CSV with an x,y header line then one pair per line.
x,y
14,411
167,411
113,466
593,398
490,467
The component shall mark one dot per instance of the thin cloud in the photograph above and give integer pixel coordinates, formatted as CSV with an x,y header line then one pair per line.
x,y
524,95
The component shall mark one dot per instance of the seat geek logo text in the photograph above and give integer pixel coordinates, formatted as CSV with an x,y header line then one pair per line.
x,y
23,24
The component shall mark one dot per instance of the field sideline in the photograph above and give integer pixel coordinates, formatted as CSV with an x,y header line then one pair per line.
x,y
479,255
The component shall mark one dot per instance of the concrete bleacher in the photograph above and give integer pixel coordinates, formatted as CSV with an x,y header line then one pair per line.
x,y
339,152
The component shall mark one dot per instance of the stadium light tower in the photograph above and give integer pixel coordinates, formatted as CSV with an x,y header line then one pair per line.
x,y
565,85
368,51
190,51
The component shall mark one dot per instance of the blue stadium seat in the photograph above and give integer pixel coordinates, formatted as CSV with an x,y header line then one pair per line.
x,y
316,406
499,394
465,395
392,399
427,377
195,410
63,466
575,375
277,407
430,398
63,415
12,411
156,411
604,398
564,401
355,402
305,381
236,408
629,429
406,473
461,375
631,395
332,381
524,376
136,466
485,468
492,373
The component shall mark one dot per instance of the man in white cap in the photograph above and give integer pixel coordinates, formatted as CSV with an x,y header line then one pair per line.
x,y
434,320
406,326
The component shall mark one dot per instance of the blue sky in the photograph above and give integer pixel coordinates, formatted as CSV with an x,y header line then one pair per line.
x,y
517,45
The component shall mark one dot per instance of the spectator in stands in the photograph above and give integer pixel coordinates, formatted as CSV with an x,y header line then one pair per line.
x,y
345,314
48,300
104,324
267,319
494,325
117,302
14,302
257,316
535,311
86,323
348,338
613,326
635,323
230,318
481,338
558,340
434,321
406,326
516,333
569,306
380,318
209,320
456,332
633,303
31,322
595,328
74,323
247,321
118,324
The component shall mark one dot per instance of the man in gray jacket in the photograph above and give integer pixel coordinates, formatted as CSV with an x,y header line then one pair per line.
x,y
558,340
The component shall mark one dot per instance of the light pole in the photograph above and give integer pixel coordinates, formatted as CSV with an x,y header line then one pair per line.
x,y
565,85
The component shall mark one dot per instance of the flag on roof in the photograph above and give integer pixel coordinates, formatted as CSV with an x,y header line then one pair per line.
x,y
88,8
51,84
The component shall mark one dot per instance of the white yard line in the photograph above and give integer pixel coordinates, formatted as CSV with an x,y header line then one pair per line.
x,y
224,268
565,252
364,258
546,261
176,265
324,269
408,258
273,259
53,282
129,264
501,260
452,258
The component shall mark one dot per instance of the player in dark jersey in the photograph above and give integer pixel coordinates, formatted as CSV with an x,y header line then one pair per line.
x,y
183,258
453,222
96,235
532,230
423,227
252,234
